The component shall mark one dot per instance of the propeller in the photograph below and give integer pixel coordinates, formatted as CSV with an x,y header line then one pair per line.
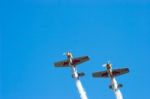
x,y
67,53
104,65
64,53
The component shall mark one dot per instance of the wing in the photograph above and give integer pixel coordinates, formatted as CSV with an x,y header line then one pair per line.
x,y
79,60
118,72
102,74
75,61
64,63
115,72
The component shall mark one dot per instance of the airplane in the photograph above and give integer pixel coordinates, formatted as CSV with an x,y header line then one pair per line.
x,y
111,73
72,62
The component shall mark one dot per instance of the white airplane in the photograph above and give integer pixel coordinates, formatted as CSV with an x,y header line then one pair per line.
x,y
72,62
111,73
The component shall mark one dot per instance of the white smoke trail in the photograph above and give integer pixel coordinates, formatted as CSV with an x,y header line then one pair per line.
x,y
79,84
117,92
81,89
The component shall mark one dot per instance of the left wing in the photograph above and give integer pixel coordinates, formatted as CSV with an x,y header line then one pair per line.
x,y
118,72
64,63
102,74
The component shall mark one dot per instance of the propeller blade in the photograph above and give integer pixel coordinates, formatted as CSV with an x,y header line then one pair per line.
x,y
104,65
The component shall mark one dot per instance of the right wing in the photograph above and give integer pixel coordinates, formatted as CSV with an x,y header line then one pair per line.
x,y
102,74
121,71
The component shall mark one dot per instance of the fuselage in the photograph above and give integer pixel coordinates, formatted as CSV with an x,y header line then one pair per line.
x,y
114,84
109,70
74,70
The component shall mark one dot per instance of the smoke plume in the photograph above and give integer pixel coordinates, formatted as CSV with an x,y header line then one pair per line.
x,y
81,89
117,92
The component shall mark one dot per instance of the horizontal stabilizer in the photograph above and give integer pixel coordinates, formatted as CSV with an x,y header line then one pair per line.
x,y
119,86
81,74
110,86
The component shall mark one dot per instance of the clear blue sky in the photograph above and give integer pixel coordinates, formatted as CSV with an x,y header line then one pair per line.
x,y
35,33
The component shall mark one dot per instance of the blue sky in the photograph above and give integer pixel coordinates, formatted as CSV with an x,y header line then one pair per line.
x,y
35,33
